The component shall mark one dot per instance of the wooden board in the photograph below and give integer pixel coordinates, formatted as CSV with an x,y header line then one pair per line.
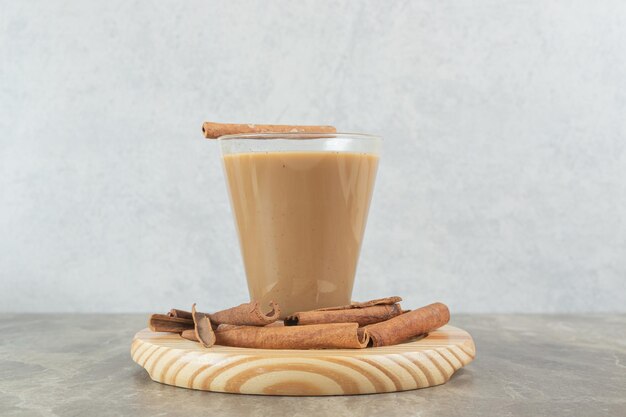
x,y
421,363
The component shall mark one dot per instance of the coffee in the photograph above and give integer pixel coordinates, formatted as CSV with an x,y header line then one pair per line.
x,y
300,218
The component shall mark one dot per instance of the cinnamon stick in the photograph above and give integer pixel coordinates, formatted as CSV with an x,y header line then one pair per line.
x,y
247,314
362,316
166,323
202,328
212,130
277,323
189,335
315,336
408,325
180,313
355,304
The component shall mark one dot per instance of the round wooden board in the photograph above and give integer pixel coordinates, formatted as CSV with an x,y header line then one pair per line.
x,y
422,363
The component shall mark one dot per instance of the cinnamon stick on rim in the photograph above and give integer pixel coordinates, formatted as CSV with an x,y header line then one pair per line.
x,y
315,336
408,325
212,130
362,316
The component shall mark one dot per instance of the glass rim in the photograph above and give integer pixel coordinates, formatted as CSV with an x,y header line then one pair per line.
x,y
299,136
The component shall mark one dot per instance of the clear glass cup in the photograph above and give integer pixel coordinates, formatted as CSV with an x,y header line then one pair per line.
x,y
300,203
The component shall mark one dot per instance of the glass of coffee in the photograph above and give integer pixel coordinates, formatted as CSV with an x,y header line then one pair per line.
x,y
300,203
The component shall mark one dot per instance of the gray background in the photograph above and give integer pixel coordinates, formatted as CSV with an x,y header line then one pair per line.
x,y
501,188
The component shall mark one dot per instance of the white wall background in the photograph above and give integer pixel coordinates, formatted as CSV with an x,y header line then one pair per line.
x,y
502,186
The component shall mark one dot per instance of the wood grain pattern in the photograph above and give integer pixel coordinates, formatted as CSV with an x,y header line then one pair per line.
x,y
421,363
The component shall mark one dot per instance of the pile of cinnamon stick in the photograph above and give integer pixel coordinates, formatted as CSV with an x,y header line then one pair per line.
x,y
380,322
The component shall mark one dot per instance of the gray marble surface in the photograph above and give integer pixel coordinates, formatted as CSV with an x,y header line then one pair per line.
x,y
71,365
